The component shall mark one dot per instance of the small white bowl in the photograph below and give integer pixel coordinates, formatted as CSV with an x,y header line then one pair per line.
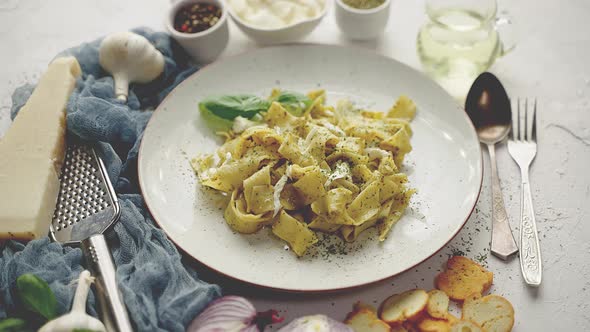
x,y
205,46
289,33
362,24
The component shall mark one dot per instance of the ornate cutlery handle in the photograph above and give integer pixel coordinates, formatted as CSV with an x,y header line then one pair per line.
x,y
503,243
530,252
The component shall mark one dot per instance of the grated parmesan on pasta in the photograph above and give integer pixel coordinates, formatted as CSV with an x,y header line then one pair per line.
x,y
332,169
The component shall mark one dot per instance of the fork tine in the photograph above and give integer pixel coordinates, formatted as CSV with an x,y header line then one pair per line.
x,y
534,130
518,120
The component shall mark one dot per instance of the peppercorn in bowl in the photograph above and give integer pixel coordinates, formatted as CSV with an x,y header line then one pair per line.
x,y
200,27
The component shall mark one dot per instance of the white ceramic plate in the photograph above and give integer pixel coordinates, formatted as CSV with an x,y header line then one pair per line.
x,y
445,166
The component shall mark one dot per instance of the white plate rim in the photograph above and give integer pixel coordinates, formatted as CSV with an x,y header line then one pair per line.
x,y
295,290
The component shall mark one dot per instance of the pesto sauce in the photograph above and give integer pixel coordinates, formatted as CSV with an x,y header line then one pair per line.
x,y
364,4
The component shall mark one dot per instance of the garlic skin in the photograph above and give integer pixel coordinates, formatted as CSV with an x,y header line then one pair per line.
x,y
315,323
77,318
129,57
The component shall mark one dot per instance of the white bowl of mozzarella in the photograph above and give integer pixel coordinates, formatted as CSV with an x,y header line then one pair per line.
x,y
277,21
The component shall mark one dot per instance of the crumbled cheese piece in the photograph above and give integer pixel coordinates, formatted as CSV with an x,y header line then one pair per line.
x,y
277,193
241,124
377,153
334,129
341,171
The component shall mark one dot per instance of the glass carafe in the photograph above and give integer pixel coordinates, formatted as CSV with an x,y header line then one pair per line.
x,y
460,41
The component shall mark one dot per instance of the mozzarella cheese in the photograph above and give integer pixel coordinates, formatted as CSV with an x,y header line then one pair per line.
x,y
274,14
32,152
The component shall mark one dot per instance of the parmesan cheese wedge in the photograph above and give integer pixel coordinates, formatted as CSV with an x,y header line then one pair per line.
x,y
32,152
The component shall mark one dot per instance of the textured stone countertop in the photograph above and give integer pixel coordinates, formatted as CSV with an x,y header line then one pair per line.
x,y
550,62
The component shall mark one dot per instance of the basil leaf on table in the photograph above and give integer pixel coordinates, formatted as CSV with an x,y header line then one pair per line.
x,y
13,325
231,106
36,295
294,102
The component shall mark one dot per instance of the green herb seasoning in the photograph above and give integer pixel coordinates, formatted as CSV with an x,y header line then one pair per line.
x,y
364,4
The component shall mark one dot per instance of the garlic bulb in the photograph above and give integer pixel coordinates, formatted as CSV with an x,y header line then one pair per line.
x,y
315,323
130,57
77,319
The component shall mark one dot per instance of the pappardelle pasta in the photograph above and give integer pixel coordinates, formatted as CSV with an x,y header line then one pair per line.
x,y
313,168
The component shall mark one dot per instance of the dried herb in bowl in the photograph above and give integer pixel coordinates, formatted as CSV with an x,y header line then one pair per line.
x,y
364,4
196,17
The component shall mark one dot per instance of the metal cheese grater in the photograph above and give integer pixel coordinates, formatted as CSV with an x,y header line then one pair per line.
x,y
86,207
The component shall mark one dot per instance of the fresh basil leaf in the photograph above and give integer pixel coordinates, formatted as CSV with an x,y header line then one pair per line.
x,y
294,102
214,122
231,106
36,295
12,325
291,97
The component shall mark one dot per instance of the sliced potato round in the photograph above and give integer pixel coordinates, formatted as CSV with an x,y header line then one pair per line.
x,y
451,318
466,326
401,307
463,278
492,312
438,304
365,320
473,296
408,326
398,328
358,305
434,325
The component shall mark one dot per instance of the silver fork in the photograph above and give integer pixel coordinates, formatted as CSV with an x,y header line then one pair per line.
x,y
522,146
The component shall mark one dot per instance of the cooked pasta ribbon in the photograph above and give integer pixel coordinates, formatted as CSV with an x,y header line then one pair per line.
x,y
327,169
294,232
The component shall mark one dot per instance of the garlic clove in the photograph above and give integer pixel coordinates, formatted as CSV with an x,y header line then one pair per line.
x,y
77,319
130,57
73,321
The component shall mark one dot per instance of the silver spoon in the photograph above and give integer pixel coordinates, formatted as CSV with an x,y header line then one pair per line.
x,y
488,106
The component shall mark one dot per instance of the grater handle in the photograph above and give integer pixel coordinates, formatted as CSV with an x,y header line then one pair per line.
x,y
100,263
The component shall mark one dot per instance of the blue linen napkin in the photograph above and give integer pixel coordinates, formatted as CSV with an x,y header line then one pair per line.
x,y
160,293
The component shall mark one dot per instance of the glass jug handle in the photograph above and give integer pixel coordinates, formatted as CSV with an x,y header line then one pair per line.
x,y
506,28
